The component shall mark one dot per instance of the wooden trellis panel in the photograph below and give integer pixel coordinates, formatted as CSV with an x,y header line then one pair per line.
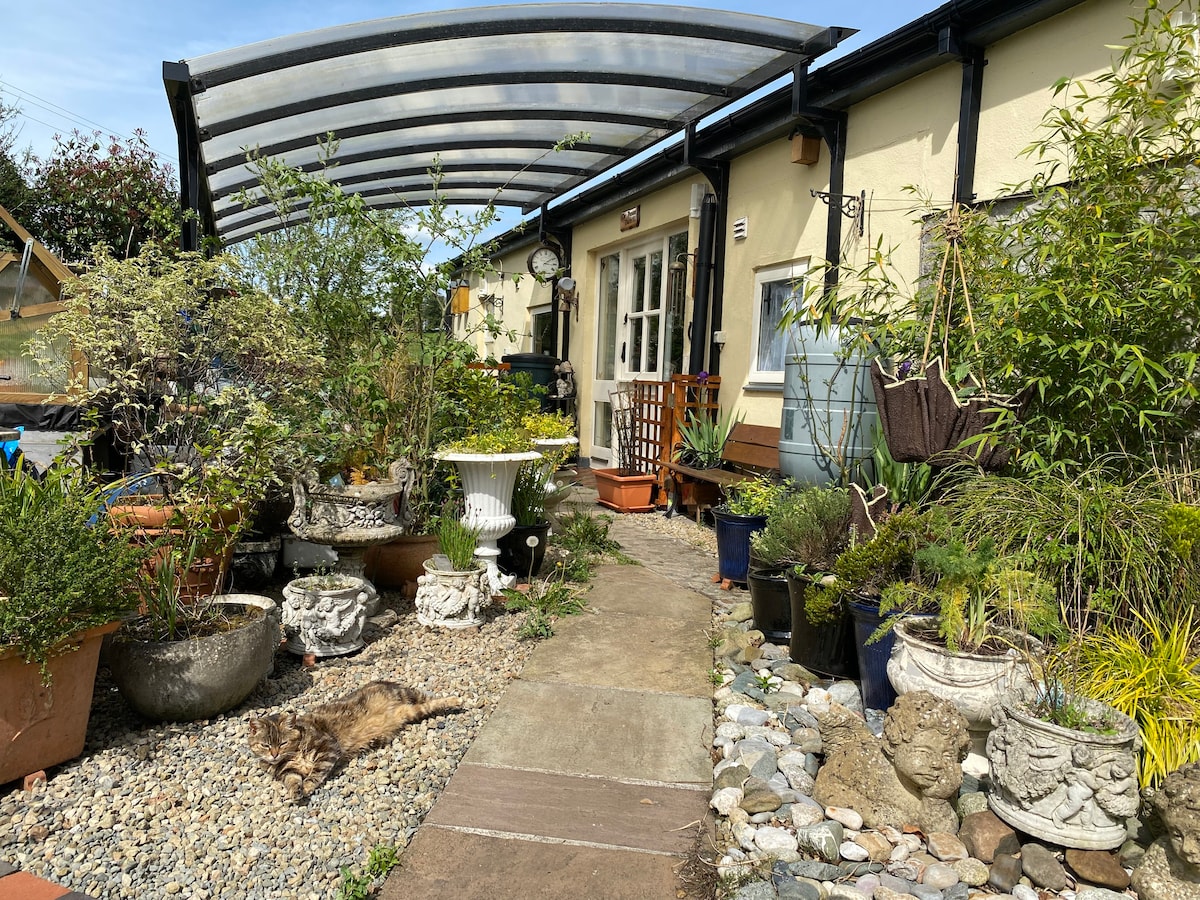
x,y
656,408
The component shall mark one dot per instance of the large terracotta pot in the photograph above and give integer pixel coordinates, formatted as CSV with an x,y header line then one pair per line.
x,y
625,493
44,725
1071,788
186,680
398,562
149,524
974,682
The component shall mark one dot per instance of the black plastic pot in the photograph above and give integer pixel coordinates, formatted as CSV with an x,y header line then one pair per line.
x,y
516,556
771,602
733,543
826,648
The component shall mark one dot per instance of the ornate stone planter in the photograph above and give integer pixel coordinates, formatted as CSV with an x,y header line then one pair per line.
x,y
190,679
324,614
974,682
488,480
351,518
1072,788
447,598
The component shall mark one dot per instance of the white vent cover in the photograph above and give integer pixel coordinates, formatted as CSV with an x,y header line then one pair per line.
x,y
741,228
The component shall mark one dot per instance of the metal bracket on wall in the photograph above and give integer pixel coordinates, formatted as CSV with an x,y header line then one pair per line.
x,y
852,206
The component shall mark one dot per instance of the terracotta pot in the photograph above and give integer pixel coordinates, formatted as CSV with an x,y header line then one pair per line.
x,y
42,726
625,493
398,562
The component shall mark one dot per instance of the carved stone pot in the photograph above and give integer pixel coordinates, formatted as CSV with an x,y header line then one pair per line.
x,y
353,517
324,614
450,598
974,682
1072,788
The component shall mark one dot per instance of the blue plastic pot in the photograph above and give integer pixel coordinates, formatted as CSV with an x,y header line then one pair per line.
x,y
877,690
733,543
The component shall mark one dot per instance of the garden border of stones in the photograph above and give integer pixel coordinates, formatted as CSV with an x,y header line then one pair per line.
x,y
775,842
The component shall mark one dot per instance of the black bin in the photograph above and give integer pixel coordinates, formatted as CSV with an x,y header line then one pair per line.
x,y
540,369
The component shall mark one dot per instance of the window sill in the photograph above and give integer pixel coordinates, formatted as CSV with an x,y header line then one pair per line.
x,y
764,387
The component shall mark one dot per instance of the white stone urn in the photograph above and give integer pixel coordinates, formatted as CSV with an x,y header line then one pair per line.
x,y
974,682
324,614
450,598
488,480
1071,788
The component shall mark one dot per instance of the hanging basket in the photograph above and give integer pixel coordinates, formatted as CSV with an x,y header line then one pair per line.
x,y
923,419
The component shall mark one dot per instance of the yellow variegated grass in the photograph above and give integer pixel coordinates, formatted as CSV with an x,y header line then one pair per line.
x,y
1149,672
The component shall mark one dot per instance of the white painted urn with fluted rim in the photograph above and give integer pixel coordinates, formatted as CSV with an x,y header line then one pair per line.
x,y
488,480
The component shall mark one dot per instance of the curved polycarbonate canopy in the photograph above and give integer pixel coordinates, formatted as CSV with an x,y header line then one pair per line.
x,y
488,92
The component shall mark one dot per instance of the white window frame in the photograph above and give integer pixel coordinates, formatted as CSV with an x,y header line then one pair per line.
x,y
797,272
541,309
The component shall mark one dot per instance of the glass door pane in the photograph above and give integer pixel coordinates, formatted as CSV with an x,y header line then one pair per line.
x,y
606,338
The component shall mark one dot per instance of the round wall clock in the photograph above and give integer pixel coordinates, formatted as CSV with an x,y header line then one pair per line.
x,y
544,261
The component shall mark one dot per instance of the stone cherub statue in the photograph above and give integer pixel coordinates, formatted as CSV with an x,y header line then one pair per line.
x,y
1170,869
907,778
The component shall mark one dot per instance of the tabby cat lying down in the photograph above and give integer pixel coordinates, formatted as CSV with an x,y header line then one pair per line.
x,y
301,750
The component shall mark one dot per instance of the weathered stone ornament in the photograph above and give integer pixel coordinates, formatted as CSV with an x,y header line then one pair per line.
x,y
447,598
1072,788
324,614
1170,869
907,778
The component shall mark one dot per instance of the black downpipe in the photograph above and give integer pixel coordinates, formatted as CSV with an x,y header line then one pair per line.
x,y
177,79
720,181
835,137
700,335
970,103
566,319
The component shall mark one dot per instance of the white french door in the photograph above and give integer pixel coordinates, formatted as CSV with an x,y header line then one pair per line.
x,y
638,336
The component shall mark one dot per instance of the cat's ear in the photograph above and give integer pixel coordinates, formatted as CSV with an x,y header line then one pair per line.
x,y
292,720
254,725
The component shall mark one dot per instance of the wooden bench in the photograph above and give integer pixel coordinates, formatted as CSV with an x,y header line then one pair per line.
x,y
750,451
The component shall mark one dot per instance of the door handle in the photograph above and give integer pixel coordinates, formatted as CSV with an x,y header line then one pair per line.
x,y
622,351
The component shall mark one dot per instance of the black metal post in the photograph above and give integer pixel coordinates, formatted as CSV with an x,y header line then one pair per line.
x,y
704,251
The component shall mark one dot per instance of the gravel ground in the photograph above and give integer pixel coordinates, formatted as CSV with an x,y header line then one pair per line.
x,y
678,526
185,810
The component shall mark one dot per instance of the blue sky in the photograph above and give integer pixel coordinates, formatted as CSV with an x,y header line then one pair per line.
x,y
71,64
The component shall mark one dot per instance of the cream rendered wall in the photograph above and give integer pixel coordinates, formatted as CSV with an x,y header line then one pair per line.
x,y
906,136
1018,78
517,292
662,212
784,224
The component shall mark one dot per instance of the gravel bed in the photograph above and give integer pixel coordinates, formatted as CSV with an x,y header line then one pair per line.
x,y
185,810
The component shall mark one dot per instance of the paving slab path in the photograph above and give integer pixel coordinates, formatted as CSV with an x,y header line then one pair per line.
x,y
592,777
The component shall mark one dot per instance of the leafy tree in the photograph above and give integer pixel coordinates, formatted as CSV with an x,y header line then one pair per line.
x,y
109,191
15,194
1089,288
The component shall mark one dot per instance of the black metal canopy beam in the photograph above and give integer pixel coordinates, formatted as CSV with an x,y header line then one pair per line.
x,y
193,187
569,118
488,194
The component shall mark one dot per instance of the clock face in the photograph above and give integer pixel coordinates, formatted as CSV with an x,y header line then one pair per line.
x,y
544,261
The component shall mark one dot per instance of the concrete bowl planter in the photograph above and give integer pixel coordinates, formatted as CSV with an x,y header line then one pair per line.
x,y
186,680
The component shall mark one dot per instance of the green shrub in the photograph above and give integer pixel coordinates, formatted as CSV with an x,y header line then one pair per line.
x,y
809,527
